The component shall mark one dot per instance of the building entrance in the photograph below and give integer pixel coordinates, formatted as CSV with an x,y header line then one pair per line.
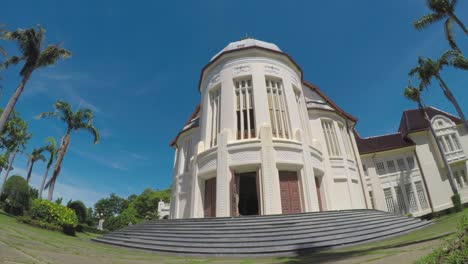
x,y
245,195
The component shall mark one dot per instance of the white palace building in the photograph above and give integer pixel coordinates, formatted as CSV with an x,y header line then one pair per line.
x,y
263,141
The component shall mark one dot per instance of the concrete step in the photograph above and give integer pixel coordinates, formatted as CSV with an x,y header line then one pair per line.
x,y
269,224
263,235
267,230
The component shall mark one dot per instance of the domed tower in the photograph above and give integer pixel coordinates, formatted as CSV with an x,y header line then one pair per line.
x,y
253,144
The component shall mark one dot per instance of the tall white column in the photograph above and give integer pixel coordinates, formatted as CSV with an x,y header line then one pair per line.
x,y
270,179
223,177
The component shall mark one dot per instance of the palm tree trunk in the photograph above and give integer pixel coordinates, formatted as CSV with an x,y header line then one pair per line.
x,y
13,99
58,164
43,182
10,164
453,100
452,15
439,147
31,165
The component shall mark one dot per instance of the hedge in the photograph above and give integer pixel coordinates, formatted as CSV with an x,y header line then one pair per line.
x,y
53,213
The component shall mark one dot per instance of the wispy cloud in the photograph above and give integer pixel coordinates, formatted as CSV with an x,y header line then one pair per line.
x,y
108,162
134,155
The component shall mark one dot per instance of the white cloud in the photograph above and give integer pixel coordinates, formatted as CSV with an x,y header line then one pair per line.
x,y
111,163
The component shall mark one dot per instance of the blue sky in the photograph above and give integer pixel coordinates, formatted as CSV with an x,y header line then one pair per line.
x,y
137,64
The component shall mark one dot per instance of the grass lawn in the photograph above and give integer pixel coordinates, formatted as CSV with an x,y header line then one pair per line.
x,y
20,243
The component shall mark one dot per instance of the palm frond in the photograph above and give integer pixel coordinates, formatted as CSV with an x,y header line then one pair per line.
x,y
93,130
51,54
65,109
412,93
448,25
46,114
13,60
427,20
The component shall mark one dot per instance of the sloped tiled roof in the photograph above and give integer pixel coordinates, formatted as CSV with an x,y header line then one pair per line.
x,y
382,143
412,120
191,122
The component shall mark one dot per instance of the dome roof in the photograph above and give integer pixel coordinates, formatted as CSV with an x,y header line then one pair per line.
x,y
247,42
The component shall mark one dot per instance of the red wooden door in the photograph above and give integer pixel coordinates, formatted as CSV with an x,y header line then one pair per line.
x,y
289,188
210,198
319,197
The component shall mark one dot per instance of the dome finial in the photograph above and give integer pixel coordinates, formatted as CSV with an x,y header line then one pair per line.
x,y
246,36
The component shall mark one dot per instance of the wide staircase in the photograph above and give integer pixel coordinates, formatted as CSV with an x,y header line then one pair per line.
x,y
263,235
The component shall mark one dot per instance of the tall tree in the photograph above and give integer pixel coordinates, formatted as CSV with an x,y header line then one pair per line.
x,y
35,155
51,147
13,138
30,43
428,69
414,94
82,119
442,9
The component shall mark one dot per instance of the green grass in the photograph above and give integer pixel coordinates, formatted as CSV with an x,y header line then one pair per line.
x,y
26,244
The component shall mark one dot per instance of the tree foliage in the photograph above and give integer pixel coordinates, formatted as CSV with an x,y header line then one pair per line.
x,y
111,206
80,210
146,204
16,195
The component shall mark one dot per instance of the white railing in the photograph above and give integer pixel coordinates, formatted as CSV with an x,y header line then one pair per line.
x,y
455,155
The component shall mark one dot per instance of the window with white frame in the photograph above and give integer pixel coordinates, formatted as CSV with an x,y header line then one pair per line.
x,y
458,179
464,177
391,166
389,200
401,164
215,104
245,113
410,161
331,138
400,200
447,134
449,143
187,154
410,196
344,136
421,195
279,116
380,168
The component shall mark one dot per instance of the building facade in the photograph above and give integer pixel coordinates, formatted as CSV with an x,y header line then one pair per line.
x,y
404,172
264,141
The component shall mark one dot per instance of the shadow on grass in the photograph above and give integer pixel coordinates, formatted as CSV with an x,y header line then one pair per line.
x,y
305,256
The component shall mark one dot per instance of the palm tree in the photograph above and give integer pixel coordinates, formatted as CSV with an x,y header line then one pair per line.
x,y
30,42
81,119
442,9
36,155
414,94
428,69
52,149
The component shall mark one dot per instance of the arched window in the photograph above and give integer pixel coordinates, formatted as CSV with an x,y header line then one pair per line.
x,y
446,132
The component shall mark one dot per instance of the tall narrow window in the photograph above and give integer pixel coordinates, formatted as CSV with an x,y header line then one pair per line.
x,y
391,166
215,103
458,179
410,196
410,161
187,154
244,109
463,175
344,136
380,168
455,141
389,200
401,164
331,138
421,195
279,116
400,200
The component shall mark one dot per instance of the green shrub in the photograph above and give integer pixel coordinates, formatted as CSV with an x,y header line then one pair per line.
x,y
28,220
129,215
80,210
16,195
89,229
55,214
454,250
457,205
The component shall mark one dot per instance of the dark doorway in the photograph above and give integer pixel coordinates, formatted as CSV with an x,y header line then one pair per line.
x,y
247,193
210,198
